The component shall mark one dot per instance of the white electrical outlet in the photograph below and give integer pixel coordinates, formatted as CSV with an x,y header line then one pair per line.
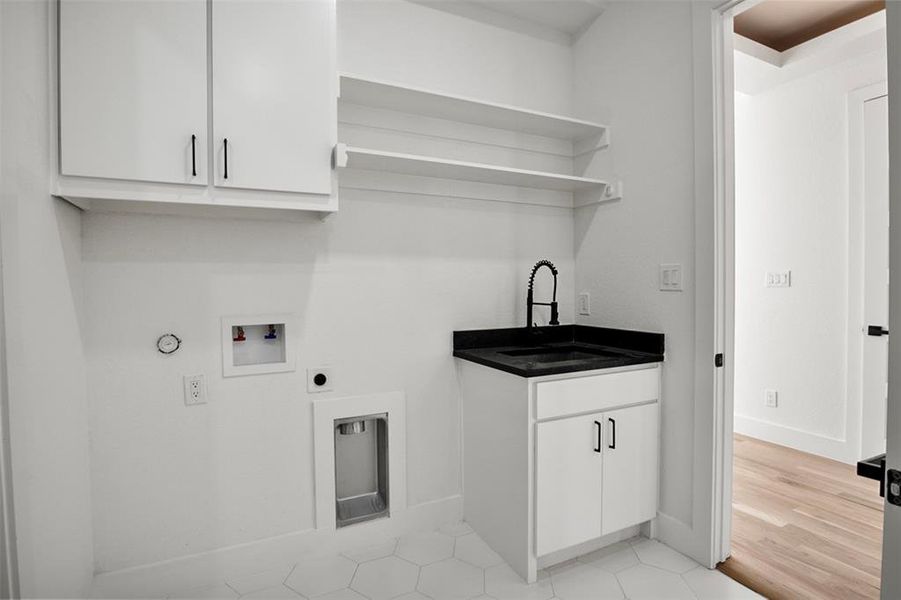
x,y
319,379
771,398
584,303
671,278
195,389
779,279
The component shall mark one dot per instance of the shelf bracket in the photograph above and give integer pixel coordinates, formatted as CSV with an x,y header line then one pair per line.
x,y
339,156
613,191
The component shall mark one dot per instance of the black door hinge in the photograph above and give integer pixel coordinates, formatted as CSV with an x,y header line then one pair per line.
x,y
718,360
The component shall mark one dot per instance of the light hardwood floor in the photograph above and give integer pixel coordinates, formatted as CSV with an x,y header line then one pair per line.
x,y
803,526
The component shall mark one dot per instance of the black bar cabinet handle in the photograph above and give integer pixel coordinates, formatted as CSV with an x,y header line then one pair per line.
x,y
598,447
225,148
193,156
612,445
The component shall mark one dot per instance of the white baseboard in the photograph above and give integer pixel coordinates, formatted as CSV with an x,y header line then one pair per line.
x,y
157,580
805,441
681,536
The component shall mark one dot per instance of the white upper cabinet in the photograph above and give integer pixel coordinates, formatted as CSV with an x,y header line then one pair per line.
x,y
150,90
274,81
133,90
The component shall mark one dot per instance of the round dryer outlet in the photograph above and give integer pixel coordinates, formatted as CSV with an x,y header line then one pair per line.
x,y
319,379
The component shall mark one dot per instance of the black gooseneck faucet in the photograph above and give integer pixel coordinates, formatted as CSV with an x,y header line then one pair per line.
x,y
530,300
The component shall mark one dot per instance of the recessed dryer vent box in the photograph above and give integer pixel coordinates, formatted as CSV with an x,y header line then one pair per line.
x,y
253,345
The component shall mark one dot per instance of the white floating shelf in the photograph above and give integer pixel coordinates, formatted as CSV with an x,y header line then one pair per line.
x,y
427,166
403,98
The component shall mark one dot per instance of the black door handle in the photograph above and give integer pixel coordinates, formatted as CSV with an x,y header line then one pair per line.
x,y
876,330
193,156
598,447
612,444
225,151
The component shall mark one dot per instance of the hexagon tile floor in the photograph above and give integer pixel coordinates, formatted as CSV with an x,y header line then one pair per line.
x,y
455,564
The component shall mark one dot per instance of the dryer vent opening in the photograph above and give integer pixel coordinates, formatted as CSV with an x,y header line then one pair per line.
x,y
361,469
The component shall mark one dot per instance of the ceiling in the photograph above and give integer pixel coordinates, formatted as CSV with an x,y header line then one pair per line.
x,y
559,19
567,16
784,24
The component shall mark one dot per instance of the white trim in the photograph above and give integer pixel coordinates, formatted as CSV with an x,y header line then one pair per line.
x,y
714,107
806,441
325,412
704,537
158,580
856,244
837,41
758,50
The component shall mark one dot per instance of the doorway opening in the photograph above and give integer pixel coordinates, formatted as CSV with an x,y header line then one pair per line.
x,y
810,367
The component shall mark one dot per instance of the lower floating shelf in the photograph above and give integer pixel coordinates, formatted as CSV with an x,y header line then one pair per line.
x,y
426,166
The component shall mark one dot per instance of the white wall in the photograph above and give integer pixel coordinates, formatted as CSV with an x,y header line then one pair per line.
x,y
792,212
42,285
378,290
633,70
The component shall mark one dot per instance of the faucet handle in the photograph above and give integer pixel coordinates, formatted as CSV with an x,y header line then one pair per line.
x,y
555,316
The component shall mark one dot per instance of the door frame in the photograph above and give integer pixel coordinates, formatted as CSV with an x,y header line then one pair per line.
x,y
856,254
9,569
720,98
723,280
9,566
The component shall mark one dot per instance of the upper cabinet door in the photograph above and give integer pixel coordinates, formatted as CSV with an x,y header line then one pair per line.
x,y
630,466
568,465
274,104
133,90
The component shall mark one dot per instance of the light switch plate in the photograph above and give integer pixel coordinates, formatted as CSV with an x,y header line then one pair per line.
x,y
671,278
584,303
779,279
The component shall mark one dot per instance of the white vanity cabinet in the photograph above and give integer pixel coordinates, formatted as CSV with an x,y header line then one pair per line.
x,y
226,103
559,465
595,474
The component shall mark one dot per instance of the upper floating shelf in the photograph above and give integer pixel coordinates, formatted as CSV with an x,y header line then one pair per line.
x,y
403,98
427,166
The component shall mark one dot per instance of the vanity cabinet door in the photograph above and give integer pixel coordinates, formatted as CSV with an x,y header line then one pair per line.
x,y
133,90
569,458
630,466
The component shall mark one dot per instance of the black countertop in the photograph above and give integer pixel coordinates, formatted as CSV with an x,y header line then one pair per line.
x,y
559,349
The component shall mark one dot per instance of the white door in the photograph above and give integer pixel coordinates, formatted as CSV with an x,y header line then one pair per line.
x,y
568,464
133,90
630,467
274,105
876,277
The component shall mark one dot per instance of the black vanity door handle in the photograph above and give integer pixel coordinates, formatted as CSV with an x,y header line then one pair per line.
x,y
612,445
876,330
193,155
597,448
225,152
